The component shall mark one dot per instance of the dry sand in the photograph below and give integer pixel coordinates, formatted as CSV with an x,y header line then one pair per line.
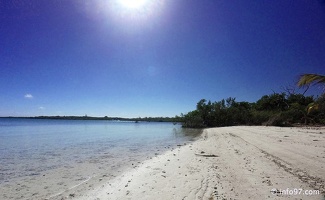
x,y
228,163
224,163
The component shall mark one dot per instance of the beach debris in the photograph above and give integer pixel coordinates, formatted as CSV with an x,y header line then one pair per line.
x,y
72,195
207,155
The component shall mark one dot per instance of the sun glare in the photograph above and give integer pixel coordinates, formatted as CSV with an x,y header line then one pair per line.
x,y
133,4
134,13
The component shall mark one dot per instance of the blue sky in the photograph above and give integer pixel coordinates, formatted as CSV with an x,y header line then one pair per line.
x,y
101,57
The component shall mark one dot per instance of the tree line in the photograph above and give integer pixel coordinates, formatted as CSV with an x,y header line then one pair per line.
x,y
277,109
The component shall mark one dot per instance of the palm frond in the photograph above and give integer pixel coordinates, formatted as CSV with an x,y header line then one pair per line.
x,y
307,79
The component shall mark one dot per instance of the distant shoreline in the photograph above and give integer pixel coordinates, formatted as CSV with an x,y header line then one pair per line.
x,y
138,119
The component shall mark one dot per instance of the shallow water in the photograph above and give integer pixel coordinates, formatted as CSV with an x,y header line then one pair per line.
x,y
31,147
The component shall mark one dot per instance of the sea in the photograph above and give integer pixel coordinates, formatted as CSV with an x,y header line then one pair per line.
x,y
32,148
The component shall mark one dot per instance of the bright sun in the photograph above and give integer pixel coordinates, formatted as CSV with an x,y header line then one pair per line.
x,y
135,12
133,4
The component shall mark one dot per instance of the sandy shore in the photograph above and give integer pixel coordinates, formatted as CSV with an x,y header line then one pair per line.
x,y
224,163
227,163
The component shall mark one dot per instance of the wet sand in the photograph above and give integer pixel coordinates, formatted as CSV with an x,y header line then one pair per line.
x,y
224,163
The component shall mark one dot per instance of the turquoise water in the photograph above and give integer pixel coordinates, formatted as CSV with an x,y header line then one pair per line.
x,y
29,147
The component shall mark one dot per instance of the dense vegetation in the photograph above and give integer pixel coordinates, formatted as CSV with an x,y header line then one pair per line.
x,y
277,109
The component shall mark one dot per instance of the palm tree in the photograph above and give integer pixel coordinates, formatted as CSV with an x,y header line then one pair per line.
x,y
305,81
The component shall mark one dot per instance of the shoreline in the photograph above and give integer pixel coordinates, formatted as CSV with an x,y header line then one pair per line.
x,y
84,173
240,162
231,162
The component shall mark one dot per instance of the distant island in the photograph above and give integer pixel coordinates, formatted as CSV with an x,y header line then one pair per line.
x,y
175,119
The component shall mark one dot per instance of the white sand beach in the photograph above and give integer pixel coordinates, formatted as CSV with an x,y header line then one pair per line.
x,y
242,162
228,163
